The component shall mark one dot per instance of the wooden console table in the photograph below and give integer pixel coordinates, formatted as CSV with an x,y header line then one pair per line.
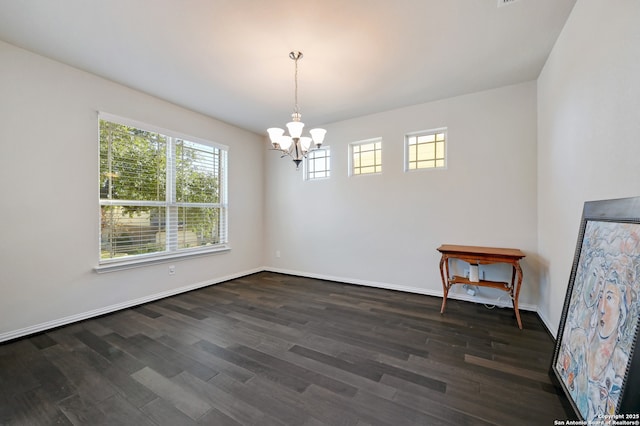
x,y
482,256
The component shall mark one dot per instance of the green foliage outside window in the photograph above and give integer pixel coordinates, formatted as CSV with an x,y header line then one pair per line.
x,y
145,178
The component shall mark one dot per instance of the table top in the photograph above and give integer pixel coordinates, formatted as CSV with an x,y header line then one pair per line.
x,y
478,250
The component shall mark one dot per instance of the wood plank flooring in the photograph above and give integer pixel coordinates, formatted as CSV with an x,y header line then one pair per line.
x,y
271,349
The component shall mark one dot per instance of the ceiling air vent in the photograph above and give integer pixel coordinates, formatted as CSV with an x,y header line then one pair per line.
x,y
506,2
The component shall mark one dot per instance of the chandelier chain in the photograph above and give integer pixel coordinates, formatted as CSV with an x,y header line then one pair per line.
x,y
296,86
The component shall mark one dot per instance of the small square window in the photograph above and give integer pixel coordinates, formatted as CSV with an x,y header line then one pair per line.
x,y
365,157
425,150
317,165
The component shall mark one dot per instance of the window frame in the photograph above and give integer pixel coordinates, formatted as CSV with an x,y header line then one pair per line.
x,y
376,165
327,170
418,134
171,251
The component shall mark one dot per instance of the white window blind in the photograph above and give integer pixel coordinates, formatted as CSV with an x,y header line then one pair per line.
x,y
160,193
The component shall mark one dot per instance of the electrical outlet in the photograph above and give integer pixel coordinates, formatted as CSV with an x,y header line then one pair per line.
x,y
278,254
172,269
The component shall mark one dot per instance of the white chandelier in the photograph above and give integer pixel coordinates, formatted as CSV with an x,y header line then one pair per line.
x,y
295,145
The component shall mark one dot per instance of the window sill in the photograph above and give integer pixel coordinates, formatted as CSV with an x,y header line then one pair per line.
x,y
121,264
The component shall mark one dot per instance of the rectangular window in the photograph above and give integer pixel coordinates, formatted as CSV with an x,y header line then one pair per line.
x,y
425,150
318,164
160,194
365,157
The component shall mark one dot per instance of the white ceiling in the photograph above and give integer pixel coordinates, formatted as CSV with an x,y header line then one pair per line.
x,y
229,58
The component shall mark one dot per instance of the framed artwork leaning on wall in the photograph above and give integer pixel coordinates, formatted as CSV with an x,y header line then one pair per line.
x,y
596,359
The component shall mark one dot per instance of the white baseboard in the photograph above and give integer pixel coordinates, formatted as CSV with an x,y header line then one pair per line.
x,y
37,328
407,289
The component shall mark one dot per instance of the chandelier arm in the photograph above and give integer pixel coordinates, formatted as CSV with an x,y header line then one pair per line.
x,y
281,151
285,152
289,152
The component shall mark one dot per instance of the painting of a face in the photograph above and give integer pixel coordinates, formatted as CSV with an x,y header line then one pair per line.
x,y
591,288
609,310
602,318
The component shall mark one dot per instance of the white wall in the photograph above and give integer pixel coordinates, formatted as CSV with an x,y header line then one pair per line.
x,y
384,229
588,132
522,161
48,186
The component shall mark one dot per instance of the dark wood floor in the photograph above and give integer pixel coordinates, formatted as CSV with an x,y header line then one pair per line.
x,y
272,349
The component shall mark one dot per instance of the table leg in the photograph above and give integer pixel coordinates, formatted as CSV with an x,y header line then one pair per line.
x,y
517,271
445,288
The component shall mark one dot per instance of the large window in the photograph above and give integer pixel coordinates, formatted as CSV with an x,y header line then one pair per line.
x,y
160,194
365,157
318,164
425,150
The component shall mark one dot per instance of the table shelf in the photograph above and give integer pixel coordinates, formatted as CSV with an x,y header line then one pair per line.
x,y
500,285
